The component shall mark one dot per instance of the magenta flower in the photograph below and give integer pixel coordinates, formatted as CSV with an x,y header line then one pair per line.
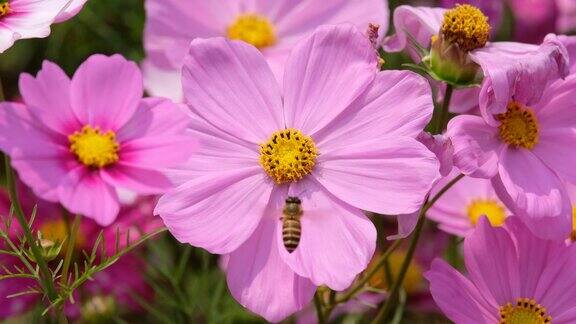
x,y
567,16
21,19
273,26
527,156
513,277
506,66
459,210
76,141
342,139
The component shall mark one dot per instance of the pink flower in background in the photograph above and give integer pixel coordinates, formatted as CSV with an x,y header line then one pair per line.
x,y
527,155
460,208
21,19
513,277
342,139
72,8
567,20
533,19
76,141
274,26
507,66
14,306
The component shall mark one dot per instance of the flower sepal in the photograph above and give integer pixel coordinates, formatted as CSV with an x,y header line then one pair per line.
x,y
448,63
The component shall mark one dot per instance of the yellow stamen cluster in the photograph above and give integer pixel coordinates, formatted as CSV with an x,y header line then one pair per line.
x,y
94,148
466,26
288,156
253,29
518,126
491,208
526,311
4,9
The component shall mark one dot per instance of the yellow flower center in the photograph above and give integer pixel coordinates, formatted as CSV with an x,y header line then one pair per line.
x,y
253,29
288,156
518,126
4,9
491,208
56,232
412,281
466,26
526,311
93,148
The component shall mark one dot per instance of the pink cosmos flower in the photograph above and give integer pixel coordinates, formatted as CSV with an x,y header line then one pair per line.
x,y
459,210
342,139
71,9
527,155
507,66
75,141
513,277
273,26
21,19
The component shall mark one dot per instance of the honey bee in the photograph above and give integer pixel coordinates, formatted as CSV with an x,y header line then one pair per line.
x,y
291,226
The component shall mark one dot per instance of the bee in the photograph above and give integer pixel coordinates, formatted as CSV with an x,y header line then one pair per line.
x,y
291,226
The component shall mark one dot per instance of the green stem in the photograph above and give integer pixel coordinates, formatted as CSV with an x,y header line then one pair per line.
x,y
45,274
319,310
70,248
365,279
444,110
385,310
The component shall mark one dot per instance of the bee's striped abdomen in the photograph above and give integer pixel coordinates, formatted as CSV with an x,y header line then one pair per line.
x,y
291,229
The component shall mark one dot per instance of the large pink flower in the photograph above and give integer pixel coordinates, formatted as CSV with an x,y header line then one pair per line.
x,y
20,19
76,141
342,139
506,65
460,208
527,155
513,277
274,26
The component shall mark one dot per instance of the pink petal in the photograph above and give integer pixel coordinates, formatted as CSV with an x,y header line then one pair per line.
x,y
172,24
517,71
72,9
141,180
337,241
48,95
383,110
570,43
162,82
386,176
157,137
32,18
406,224
538,196
83,192
421,23
441,146
230,85
295,17
492,263
324,74
7,38
106,91
38,154
457,297
217,152
217,212
259,279
476,146
556,108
